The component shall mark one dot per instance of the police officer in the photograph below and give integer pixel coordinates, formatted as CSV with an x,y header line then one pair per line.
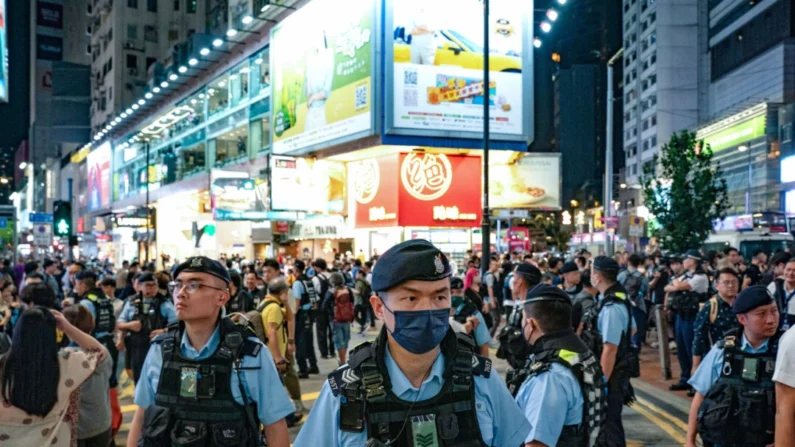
x,y
207,381
735,399
144,316
685,293
418,383
101,308
562,394
607,333
239,299
525,277
463,308
571,280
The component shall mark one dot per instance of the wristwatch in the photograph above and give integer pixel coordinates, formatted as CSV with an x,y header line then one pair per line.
x,y
290,341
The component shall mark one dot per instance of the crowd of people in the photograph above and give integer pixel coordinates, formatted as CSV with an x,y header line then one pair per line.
x,y
218,348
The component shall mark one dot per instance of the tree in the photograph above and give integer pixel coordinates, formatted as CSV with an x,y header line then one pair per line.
x,y
687,194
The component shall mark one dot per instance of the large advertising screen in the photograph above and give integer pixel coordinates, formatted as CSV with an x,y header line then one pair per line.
x,y
300,184
3,53
436,69
322,84
531,181
98,164
235,196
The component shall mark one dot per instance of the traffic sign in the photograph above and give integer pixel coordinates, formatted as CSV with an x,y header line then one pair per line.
x,y
43,218
3,223
42,235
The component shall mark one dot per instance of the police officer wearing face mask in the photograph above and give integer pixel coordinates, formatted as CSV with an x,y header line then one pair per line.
x,y
418,383
562,389
735,403
101,308
208,381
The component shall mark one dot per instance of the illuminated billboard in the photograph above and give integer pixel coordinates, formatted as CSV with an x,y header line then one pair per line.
x,y
99,177
3,53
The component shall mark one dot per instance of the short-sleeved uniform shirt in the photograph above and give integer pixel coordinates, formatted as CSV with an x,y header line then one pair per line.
x,y
550,401
260,379
167,310
699,283
785,360
710,368
274,314
708,333
501,422
614,318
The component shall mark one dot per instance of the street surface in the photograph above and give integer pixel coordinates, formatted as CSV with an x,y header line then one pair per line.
x,y
658,418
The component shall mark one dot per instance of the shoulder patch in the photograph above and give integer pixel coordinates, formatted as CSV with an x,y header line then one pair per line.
x,y
620,295
340,377
251,348
481,366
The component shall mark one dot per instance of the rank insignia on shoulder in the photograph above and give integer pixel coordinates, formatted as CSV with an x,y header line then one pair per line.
x,y
341,376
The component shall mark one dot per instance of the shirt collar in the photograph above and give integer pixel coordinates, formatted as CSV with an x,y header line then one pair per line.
x,y
401,386
746,347
189,352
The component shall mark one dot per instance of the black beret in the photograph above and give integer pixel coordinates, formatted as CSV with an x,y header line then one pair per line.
x,y
456,283
146,277
751,298
532,272
416,259
694,254
605,264
545,292
86,275
568,267
203,264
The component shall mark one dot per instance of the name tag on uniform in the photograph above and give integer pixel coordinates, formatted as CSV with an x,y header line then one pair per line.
x,y
189,382
423,431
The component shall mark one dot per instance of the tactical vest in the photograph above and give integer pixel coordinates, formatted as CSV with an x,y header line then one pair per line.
x,y
567,349
513,348
465,310
740,408
194,404
105,320
235,304
686,303
151,319
367,401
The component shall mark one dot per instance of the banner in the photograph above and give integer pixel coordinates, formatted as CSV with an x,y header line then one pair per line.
x,y
49,48
322,83
300,184
437,67
3,54
49,15
235,196
533,181
99,177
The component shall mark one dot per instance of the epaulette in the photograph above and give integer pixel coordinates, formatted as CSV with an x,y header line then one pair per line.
x,y
620,295
251,348
340,377
481,366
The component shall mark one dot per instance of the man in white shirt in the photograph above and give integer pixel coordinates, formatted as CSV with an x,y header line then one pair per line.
x,y
783,289
784,377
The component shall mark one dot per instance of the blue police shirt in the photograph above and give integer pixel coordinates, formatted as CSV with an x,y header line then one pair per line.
x,y
88,304
500,419
167,310
260,378
550,401
298,293
613,321
710,368
481,334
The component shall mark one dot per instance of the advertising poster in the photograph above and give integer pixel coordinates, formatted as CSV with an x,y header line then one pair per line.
x,y
300,184
235,196
323,78
438,65
3,54
49,15
98,164
533,182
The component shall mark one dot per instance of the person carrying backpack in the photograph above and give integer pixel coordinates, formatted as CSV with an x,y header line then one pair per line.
x,y
362,308
636,286
323,325
338,305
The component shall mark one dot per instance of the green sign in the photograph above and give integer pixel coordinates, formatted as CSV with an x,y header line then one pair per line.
x,y
737,134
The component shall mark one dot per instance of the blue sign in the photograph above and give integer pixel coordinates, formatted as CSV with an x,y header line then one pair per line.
x,y
45,218
3,222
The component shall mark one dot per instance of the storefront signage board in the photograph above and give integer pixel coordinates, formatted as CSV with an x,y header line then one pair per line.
x,y
322,87
434,74
532,182
737,134
328,227
788,169
99,177
235,196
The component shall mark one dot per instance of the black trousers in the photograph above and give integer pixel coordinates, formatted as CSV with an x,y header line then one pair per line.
x,y
325,336
612,434
138,351
304,343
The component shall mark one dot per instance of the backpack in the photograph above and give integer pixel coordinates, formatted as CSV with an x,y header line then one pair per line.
x,y
343,306
367,292
255,322
632,284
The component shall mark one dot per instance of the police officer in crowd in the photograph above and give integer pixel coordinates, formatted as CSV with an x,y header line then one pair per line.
x,y
583,302
735,400
418,383
304,293
144,316
101,308
608,332
525,277
563,391
685,293
571,280
716,318
463,308
239,299
208,381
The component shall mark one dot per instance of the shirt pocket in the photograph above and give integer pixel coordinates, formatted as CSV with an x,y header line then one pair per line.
x,y
485,422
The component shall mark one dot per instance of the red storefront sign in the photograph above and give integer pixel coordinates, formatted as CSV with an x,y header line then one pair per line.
x,y
417,189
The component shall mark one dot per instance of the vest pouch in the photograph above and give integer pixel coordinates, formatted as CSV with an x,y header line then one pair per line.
x,y
230,434
717,419
753,411
155,431
190,434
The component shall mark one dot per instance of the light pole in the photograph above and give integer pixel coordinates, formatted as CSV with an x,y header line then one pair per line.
x,y
485,226
608,193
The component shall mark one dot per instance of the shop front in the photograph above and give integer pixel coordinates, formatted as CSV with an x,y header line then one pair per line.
x,y
319,237
131,232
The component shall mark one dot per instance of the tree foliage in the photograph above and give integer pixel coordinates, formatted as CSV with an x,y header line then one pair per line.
x,y
686,194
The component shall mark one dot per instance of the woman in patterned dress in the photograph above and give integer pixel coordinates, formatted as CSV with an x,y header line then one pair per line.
x,y
39,385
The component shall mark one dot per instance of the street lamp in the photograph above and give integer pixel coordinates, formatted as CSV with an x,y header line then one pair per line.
x,y
574,203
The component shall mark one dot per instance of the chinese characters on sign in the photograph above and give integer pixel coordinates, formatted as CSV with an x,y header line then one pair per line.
x,y
426,176
451,213
379,214
366,178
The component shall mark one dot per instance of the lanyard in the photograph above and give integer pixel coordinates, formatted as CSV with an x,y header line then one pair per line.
x,y
787,299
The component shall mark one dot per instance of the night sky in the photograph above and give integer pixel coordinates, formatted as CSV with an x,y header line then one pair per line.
x,y
14,116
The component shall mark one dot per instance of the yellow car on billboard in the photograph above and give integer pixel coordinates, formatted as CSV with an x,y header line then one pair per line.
x,y
455,49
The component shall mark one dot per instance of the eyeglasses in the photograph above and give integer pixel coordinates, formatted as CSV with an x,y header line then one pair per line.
x,y
191,287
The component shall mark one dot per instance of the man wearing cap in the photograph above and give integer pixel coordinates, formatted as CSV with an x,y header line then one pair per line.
x,y
304,291
734,404
207,381
144,317
562,388
612,321
571,279
525,277
685,293
462,310
417,365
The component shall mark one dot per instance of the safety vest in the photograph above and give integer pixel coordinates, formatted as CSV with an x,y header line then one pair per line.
x,y
567,349
105,320
740,408
686,303
151,319
194,404
367,400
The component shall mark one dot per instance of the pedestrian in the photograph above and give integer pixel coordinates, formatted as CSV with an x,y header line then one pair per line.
x,y
40,384
94,422
491,292
571,280
338,306
784,377
362,292
783,289
685,294
734,404
253,289
716,317
637,286
50,270
192,388
563,392
325,338
387,393
304,291
583,302
472,291
753,273
239,300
